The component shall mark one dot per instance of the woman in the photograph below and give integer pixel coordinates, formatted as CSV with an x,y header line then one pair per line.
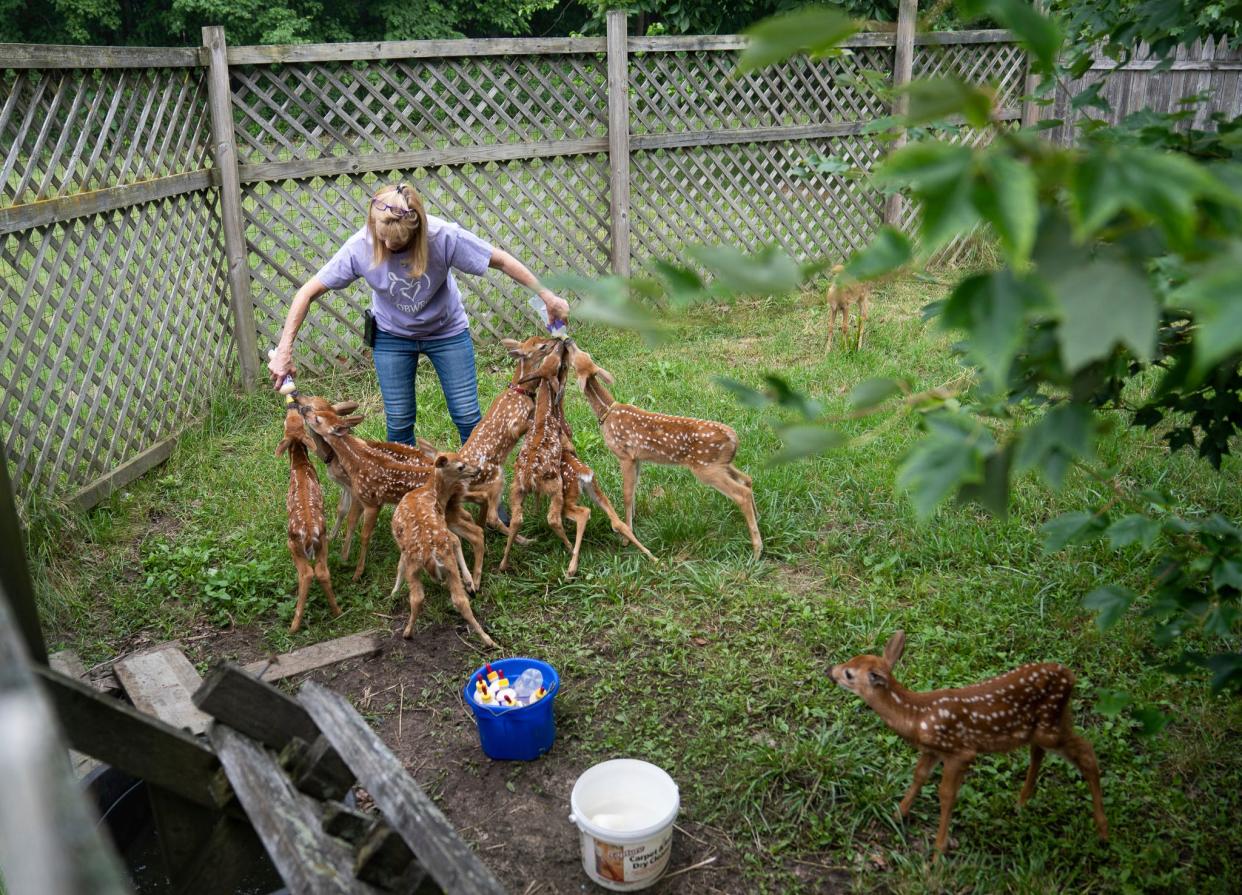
x,y
407,258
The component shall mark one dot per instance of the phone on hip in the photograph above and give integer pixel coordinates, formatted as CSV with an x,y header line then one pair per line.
x,y
368,328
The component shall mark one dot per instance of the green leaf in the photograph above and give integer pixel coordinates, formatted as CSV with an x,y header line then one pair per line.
x,y
682,284
1152,721
814,30
787,396
1090,97
926,165
1227,573
1061,435
888,251
951,455
872,392
769,272
1070,528
992,309
806,441
1110,602
993,492
1006,197
1133,529
1214,295
1111,703
744,393
933,99
1102,304
607,301
1036,31
1226,671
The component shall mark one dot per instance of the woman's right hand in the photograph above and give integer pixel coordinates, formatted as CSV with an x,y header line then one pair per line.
x,y
280,365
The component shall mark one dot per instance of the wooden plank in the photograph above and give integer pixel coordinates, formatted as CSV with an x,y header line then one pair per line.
x,y
317,655
118,734
230,856
73,56
383,859
14,573
422,158
127,472
745,135
1177,65
413,49
224,154
308,859
69,663
1030,108
234,696
161,683
405,807
699,43
618,143
903,67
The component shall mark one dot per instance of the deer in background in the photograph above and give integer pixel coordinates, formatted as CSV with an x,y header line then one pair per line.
x,y
423,453
635,436
507,420
537,469
304,504
1029,706
421,530
839,297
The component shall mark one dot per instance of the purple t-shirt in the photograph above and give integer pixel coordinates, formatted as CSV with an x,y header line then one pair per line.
x,y
429,307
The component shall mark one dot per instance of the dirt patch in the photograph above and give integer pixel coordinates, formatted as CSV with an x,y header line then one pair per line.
x,y
513,814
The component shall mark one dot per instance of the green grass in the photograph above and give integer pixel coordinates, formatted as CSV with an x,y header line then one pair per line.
x,y
712,664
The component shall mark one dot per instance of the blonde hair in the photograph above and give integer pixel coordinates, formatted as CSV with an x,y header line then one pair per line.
x,y
408,229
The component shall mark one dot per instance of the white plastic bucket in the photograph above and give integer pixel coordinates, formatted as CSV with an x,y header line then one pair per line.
x,y
624,810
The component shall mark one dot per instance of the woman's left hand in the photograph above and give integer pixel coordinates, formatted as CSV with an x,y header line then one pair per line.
x,y
558,308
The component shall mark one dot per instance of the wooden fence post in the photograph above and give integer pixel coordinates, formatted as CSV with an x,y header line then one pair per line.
x,y
903,68
1031,109
619,141
224,154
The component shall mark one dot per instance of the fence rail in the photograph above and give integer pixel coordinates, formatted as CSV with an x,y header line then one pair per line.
x,y
158,206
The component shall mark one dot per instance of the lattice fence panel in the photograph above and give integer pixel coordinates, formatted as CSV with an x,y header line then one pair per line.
x,y
550,213
1002,65
322,110
115,330
747,195
672,92
73,130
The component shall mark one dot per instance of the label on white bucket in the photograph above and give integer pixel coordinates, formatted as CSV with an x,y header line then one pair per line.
x,y
631,863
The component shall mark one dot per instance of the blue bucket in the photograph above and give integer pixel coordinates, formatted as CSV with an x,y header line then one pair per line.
x,y
521,733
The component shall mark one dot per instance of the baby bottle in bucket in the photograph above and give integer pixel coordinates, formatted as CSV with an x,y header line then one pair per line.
x,y
624,810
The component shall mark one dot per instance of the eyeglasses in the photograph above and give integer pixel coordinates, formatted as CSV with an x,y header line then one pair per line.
x,y
395,210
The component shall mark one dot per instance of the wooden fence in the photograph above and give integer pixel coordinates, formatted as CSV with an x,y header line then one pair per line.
x,y
158,207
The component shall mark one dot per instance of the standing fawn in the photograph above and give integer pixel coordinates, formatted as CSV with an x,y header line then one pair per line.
x,y
375,476
839,298
1029,706
704,447
304,503
537,469
506,420
428,545
423,453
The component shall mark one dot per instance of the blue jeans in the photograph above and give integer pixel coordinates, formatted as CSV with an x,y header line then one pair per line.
x,y
396,361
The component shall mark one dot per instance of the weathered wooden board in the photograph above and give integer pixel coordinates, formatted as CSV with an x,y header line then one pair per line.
x,y
69,663
317,655
162,683
309,860
142,745
405,807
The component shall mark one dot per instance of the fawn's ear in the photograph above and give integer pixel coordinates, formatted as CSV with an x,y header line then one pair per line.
x,y
604,375
345,407
894,648
513,346
441,461
283,446
877,678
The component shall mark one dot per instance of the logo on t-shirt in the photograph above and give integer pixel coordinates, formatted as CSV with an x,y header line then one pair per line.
x,y
410,296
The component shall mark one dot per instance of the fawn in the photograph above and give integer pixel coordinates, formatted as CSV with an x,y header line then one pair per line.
x,y
375,476
427,543
304,503
506,420
839,298
422,452
1027,706
537,469
704,447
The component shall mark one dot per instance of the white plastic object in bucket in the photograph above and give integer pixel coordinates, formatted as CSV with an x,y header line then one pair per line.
x,y
624,810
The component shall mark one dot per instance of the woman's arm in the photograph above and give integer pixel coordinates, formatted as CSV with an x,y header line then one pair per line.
x,y
558,308
281,363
